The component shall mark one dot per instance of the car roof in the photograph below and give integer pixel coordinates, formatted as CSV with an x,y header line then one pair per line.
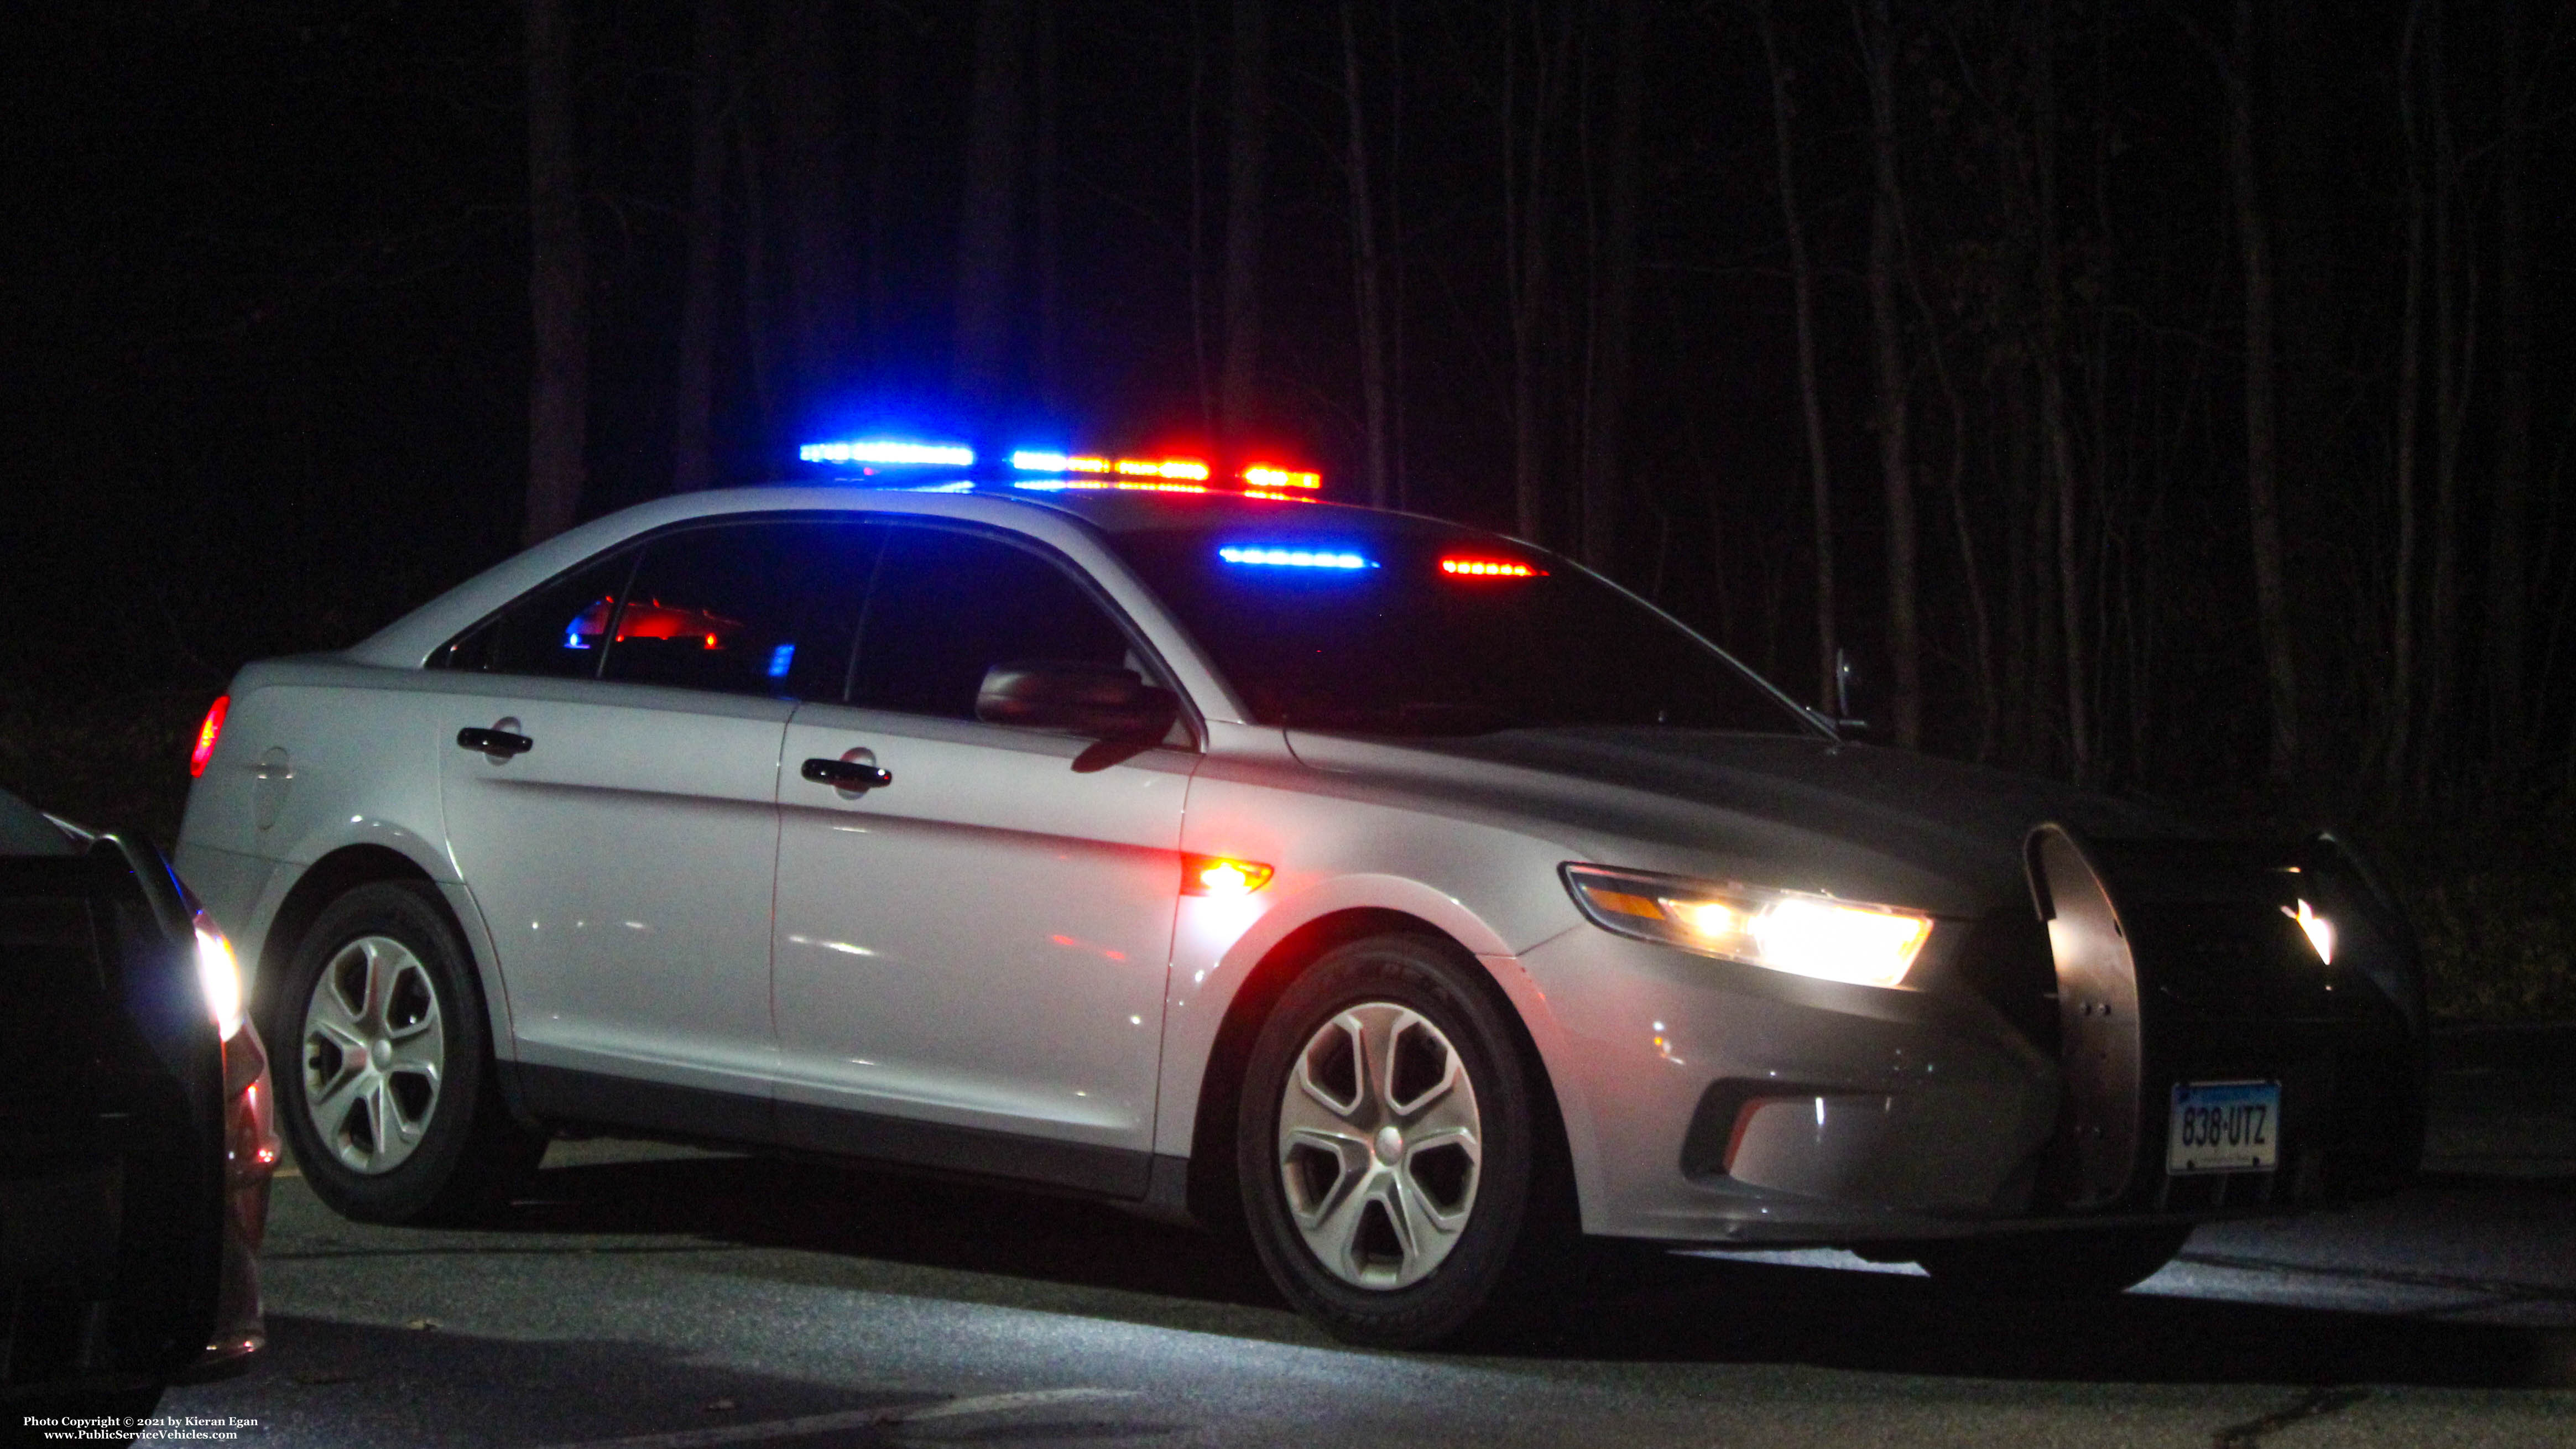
x,y
1070,519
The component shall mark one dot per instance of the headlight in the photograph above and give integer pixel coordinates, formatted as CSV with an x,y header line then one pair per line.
x,y
220,976
2320,931
1812,935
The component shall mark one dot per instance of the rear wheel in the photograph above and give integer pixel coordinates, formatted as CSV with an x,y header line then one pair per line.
x,y
390,1100
2095,1263
1393,1147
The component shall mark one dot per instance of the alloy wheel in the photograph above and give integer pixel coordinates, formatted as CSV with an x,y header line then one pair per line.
x,y
1380,1145
374,1054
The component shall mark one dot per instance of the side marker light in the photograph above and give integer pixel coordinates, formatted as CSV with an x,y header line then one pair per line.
x,y
1217,875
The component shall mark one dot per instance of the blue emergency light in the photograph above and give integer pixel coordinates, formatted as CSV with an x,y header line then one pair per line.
x,y
889,451
1294,558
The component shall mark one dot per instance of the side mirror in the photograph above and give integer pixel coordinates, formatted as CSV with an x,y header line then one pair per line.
x,y
1096,701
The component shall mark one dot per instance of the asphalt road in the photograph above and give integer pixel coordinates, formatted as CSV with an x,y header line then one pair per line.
x,y
657,1299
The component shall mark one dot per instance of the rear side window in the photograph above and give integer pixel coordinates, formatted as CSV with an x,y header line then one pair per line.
x,y
947,606
558,630
744,608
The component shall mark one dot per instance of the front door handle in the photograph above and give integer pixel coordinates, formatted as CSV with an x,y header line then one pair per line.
x,y
494,742
848,774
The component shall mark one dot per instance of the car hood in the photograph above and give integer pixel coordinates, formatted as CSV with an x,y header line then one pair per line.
x,y
1803,813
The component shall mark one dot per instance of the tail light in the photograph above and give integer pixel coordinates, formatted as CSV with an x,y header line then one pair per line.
x,y
207,734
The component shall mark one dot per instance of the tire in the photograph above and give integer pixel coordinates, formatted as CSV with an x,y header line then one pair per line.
x,y
1386,1242
388,1092
2092,1264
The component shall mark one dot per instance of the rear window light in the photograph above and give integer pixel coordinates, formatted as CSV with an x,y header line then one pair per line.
x,y
207,733
1490,568
1294,558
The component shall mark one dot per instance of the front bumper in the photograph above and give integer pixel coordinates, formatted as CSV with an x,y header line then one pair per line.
x,y
1733,1104
1729,1104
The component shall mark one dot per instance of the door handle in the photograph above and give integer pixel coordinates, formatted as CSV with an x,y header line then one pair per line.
x,y
494,742
848,774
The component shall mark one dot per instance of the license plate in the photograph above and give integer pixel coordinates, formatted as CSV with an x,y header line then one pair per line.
x,y
2224,1127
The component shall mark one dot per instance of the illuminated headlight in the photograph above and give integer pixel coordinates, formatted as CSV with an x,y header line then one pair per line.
x,y
2320,931
1810,935
220,977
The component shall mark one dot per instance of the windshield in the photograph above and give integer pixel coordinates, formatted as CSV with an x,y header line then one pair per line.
x,y
1398,626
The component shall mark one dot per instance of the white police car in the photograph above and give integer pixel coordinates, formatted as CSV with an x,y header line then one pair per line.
x,y
1413,893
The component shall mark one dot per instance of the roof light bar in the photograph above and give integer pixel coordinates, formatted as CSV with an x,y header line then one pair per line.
x,y
1295,558
1105,485
1031,460
888,450
1490,568
1263,475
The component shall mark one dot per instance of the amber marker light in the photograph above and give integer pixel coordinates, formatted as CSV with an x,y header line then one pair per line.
x,y
1217,875
1189,468
1490,568
1263,475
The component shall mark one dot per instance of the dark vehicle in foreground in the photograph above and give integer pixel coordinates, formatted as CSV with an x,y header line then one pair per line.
x,y
136,1135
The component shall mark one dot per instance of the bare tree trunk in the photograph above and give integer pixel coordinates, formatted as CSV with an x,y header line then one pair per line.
x,y
813,191
1802,288
1247,134
1395,241
2410,403
1895,464
988,221
2054,430
692,457
889,99
1364,267
2254,245
1981,622
1050,228
2097,384
2508,593
2454,355
758,329
1198,219
558,281
1605,423
1528,199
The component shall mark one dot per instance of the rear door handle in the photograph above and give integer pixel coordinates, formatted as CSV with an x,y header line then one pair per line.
x,y
848,774
494,742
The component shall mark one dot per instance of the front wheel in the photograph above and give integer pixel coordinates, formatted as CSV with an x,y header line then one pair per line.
x,y
1392,1147
390,1099
2095,1263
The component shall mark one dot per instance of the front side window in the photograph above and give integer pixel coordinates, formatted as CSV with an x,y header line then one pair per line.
x,y
949,605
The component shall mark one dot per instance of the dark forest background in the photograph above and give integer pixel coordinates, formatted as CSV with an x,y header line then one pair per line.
x,y
2173,395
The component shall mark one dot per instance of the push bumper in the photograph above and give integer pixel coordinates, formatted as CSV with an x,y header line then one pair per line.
x,y
1729,1104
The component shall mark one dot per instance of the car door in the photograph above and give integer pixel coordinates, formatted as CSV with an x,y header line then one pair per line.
x,y
970,959
611,806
